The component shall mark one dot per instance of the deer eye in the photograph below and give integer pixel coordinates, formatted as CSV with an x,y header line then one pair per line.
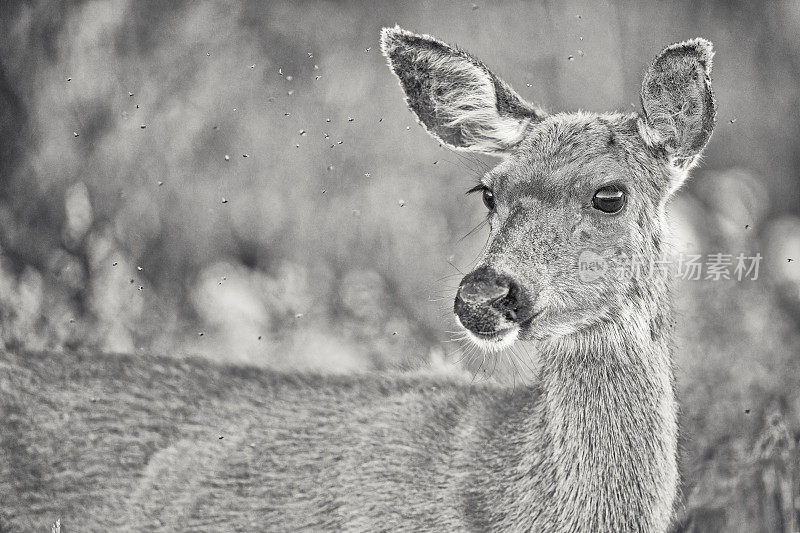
x,y
609,199
488,195
488,199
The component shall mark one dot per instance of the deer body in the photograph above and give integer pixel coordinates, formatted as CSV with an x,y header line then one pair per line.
x,y
589,446
441,456
362,453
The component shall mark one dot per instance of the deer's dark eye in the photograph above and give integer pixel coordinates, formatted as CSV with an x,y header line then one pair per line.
x,y
488,199
488,195
609,199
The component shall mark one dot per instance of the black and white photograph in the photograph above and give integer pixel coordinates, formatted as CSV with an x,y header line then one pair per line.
x,y
414,266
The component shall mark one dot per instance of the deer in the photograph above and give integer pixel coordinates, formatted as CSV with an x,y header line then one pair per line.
x,y
590,444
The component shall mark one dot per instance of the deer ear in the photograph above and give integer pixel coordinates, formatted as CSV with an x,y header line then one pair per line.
x,y
678,102
454,95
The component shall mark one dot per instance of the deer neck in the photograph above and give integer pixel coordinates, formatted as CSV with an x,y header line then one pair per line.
x,y
609,419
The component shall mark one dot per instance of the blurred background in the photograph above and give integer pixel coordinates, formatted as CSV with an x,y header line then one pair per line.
x,y
242,181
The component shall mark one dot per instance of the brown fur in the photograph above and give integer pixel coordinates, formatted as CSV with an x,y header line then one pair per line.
x,y
591,446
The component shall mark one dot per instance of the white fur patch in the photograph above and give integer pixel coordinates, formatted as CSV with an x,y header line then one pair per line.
x,y
650,136
472,107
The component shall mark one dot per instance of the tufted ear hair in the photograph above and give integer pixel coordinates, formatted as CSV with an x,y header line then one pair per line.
x,y
455,96
678,101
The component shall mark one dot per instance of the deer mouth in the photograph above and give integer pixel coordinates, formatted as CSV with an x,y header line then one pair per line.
x,y
494,341
491,341
497,339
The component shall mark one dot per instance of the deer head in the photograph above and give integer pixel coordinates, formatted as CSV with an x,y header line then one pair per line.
x,y
568,184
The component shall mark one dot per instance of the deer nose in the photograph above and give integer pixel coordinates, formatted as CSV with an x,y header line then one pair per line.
x,y
478,288
483,288
488,301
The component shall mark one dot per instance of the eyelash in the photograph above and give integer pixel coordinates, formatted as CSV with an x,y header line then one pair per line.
x,y
478,188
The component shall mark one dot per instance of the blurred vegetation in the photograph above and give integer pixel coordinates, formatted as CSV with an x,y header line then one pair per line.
x,y
243,181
